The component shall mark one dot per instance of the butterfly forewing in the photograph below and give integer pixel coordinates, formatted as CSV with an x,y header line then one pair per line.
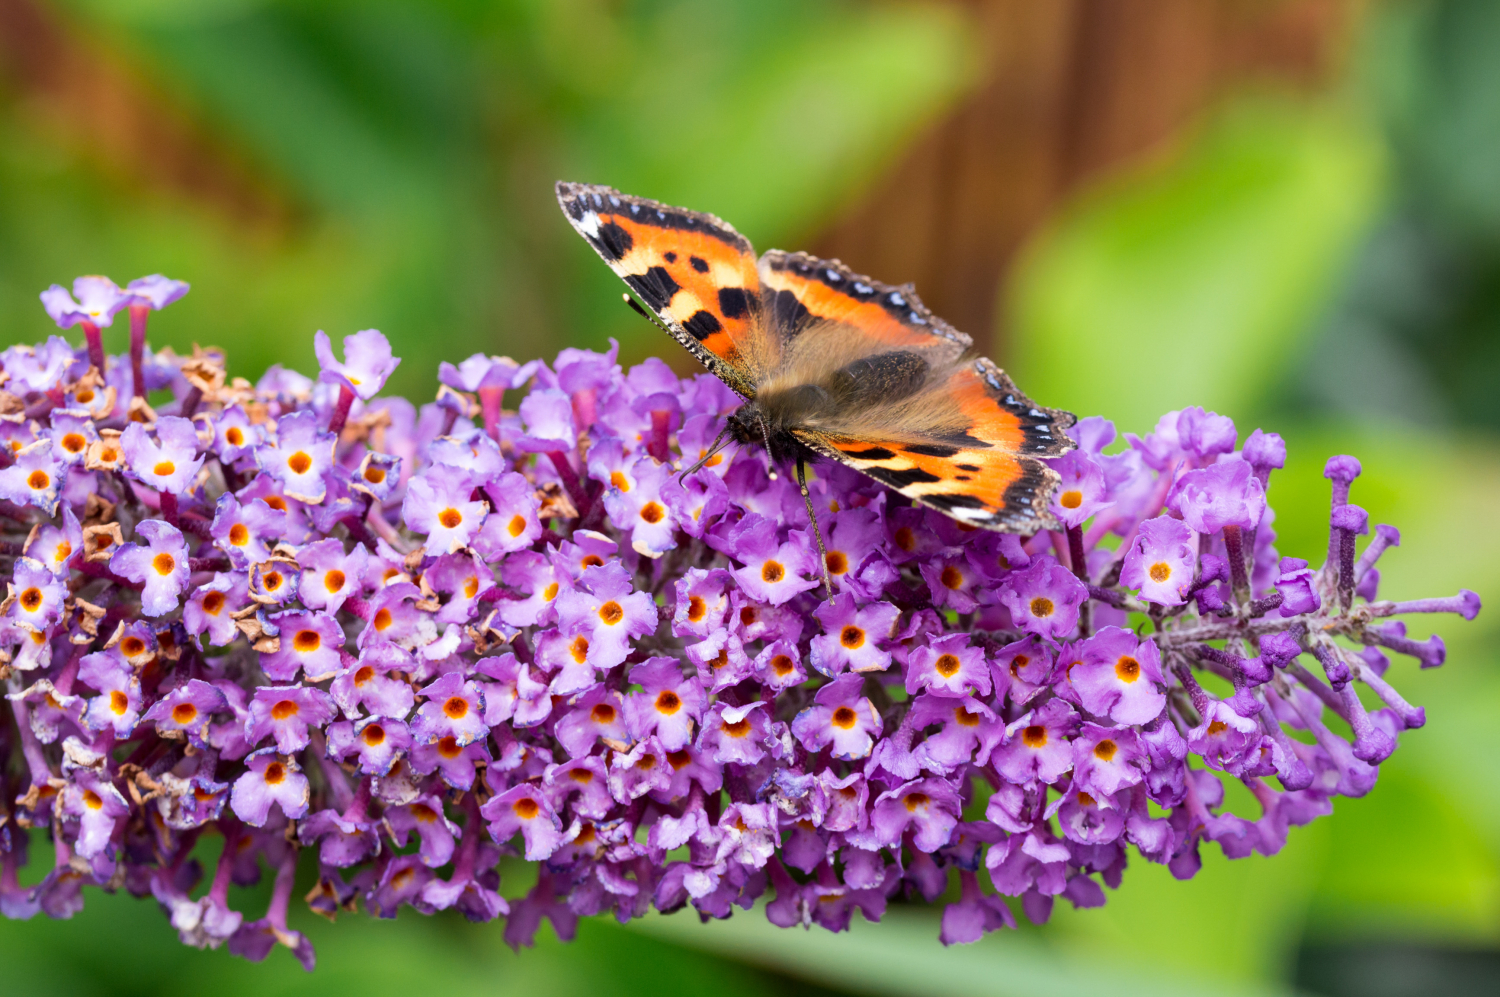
x,y
694,271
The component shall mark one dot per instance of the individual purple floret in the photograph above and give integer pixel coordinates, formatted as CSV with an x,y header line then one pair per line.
x,y
279,618
367,363
160,566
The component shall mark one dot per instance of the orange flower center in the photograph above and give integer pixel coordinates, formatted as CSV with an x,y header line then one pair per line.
x,y
652,512
915,800
737,729
184,713
844,717
947,665
772,572
782,665
450,518
300,462
852,637
383,619
164,563
119,702
836,561
1041,607
74,442
1071,499
163,468
213,603
456,707
1034,736
668,702
951,577
275,773
525,808
618,479
611,612
307,641
132,646
373,735
31,599
1160,571
234,436
1105,750
39,480
239,535
697,609
517,525
602,713
1127,669
284,710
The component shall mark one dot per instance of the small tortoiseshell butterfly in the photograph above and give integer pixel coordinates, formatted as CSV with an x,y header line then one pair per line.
x,y
833,364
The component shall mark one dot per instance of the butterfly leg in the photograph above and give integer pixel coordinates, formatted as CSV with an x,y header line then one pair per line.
x,y
817,533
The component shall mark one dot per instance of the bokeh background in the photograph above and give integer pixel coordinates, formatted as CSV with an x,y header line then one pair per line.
x,y
1284,210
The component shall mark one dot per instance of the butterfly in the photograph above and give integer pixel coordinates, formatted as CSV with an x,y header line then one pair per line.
x,y
834,365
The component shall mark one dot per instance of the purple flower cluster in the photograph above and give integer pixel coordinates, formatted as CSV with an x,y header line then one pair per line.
x,y
299,615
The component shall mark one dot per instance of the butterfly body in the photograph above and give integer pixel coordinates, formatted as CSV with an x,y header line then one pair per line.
x,y
832,364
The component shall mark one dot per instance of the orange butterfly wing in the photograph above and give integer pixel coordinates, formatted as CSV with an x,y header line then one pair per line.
x,y
695,272
966,444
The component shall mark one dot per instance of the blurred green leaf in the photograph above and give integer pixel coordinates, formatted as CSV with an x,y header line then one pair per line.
x,y
902,956
1195,282
416,144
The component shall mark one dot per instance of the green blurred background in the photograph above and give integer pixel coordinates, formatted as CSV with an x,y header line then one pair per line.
x,y
1284,210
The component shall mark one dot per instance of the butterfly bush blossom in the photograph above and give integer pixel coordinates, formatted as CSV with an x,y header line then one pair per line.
x,y
299,616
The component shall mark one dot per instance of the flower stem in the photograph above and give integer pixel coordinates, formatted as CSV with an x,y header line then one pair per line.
x,y
95,340
138,315
489,407
341,410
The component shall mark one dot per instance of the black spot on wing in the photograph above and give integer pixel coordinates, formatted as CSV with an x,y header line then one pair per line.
x,y
969,467
874,453
933,450
702,324
954,500
670,256
698,263
790,315
901,479
656,287
735,302
613,241
884,377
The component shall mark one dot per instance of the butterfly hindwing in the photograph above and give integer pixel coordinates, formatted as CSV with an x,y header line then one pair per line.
x,y
694,271
973,455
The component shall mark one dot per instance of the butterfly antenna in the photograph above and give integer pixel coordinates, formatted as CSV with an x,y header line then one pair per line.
x,y
765,435
636,306
718,444
817,533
